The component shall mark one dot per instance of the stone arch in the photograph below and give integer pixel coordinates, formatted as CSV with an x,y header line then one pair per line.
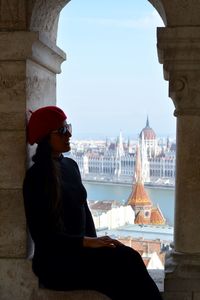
x,y
178,12
160,9
44,16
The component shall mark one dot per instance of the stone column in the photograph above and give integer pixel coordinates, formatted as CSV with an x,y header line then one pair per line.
x,y
28,68
178,50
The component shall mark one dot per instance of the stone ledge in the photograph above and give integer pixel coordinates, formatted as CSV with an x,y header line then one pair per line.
x,y
196,296
178,296
44,294
18,282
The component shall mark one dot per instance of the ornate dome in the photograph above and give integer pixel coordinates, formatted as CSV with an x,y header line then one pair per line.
x,y
148,132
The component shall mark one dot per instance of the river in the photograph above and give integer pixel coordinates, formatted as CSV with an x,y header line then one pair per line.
x,y
164,197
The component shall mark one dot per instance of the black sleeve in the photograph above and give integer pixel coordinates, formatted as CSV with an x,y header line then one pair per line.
x,y
37,216
90,228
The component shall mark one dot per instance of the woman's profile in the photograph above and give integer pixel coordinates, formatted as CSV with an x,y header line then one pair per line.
x,y
68,255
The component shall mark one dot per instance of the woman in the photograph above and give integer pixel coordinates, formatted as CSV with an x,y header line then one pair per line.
x,y
68,254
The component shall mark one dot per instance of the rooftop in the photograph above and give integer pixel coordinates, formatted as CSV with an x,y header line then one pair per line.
x,y
151,232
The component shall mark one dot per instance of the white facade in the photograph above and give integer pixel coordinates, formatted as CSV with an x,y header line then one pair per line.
x,y
154,261
116,162
107,166
115,217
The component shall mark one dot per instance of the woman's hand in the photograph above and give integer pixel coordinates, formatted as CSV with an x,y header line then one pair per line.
x,y
103,241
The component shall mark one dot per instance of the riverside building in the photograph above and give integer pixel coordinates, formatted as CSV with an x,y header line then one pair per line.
x,y
115,161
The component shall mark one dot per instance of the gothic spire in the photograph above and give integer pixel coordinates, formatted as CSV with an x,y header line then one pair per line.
x,y
138,165
147,122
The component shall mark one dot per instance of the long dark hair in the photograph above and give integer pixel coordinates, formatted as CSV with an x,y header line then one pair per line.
x,y
52,179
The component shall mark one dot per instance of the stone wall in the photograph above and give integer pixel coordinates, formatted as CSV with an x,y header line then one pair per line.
x,y
29,62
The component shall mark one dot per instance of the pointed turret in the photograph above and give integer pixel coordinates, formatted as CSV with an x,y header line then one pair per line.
x,y
168,144
139,199
118,155
129,146
157,217
119,146
147,122
138,165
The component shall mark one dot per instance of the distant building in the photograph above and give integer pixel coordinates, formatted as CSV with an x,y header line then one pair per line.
x,y
152,261
115,160
148,140
151,251
111,214
139,200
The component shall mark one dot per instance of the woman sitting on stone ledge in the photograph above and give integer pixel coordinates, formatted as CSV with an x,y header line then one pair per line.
x,y
68,254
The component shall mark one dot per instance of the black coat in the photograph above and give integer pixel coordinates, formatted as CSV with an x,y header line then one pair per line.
x,y
50,243
60,261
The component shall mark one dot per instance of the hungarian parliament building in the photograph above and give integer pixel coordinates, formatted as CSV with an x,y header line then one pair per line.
x,y
115,161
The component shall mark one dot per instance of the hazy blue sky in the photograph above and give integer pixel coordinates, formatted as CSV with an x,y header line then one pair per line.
x,y
112,78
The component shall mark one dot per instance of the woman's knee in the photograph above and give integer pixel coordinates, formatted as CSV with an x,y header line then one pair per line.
x,y
128,251
130,256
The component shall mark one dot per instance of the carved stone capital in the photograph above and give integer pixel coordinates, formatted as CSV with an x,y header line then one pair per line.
x,y
179,52
184,89
182,275
182,265
178,48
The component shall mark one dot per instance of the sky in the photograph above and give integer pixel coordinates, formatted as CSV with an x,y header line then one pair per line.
x,y
112,79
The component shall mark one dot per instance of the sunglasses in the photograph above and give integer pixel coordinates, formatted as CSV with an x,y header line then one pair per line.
x,y
63,130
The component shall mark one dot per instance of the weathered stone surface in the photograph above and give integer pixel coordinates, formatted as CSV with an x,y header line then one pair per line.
x,y
12,95
43,17
196,296
71,295
178,51
177,296
185,92
17,281
21,42
187,285
50,58
31,45
41,84
12,120
187,185
160,9
13,225
178,12
12,14
12,159
182,276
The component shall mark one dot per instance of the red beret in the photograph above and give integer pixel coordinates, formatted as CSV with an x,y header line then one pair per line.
x,y
43,121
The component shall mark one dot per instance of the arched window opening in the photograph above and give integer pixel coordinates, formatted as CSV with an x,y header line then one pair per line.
x,y
113,92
